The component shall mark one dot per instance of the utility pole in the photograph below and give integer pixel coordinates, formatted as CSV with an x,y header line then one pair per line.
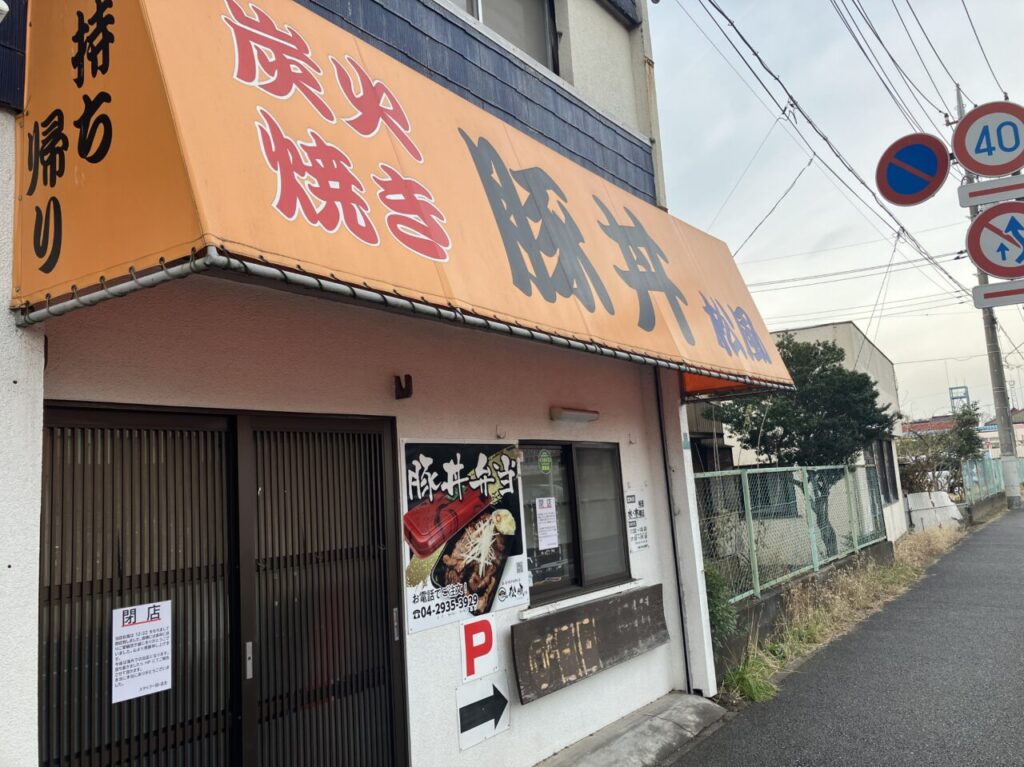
x,y
1007,437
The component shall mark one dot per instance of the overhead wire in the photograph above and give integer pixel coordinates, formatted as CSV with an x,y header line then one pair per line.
x,y
775,326
935,51
774,207
896,225
917,302
881,291
745,170
830,278
851,245
912,87
909,84
981,47
874,65
927,69
850,196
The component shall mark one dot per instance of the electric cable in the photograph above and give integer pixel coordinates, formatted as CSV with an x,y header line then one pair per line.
x,y
1006,96
744,173
920,58
936,52
774,207
911,240
799,282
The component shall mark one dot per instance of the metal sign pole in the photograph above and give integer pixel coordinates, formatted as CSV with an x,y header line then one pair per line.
x,y
1007,438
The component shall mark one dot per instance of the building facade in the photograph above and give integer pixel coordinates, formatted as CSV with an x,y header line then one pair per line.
x,y
862,355
380,454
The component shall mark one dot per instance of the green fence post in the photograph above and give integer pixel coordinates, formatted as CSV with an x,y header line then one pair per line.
x,y
853,512
756,576
812,526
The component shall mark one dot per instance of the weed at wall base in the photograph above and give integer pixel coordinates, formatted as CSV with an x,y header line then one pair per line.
x,y
818,611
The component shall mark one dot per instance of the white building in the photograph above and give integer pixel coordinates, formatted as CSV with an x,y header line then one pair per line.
x,y
862,355
250,505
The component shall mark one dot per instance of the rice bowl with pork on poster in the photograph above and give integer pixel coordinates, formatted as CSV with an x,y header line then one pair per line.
x,y
463,529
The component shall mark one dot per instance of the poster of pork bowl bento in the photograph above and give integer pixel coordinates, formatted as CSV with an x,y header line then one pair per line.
x,y
463,531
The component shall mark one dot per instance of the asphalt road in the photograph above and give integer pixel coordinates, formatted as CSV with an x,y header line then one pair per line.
x,y
936,678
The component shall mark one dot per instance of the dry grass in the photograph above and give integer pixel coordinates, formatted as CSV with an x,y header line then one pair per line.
x,y
819,610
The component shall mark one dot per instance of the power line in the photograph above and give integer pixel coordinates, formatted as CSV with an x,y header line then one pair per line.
x,y
942,359
917,302
881,296
935,51
744,173
776,327
852,245
911,85
794,134
861,273
981,47
874,64
776,205
920,58
912,241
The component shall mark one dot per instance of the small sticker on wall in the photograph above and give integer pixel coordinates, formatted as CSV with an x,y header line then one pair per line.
x,y
544,461
636,522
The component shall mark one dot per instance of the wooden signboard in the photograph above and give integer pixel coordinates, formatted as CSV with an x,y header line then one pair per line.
x,y
558,650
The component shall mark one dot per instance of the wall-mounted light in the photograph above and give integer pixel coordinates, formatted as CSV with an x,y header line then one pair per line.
x,y
572,415
3,10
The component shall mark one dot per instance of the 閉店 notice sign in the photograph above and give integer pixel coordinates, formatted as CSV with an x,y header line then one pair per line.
x,y
140,661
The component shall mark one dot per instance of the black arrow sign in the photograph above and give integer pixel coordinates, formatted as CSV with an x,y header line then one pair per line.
x,y
482,711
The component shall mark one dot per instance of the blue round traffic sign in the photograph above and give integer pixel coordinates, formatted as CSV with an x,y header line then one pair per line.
x,y
912,169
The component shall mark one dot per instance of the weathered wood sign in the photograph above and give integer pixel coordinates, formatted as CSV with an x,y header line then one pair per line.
x,y
558,650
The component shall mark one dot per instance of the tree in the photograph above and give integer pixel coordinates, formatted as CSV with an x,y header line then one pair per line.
x,y
934,461
831,416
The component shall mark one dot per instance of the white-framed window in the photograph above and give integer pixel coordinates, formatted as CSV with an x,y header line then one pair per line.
x,y
527,24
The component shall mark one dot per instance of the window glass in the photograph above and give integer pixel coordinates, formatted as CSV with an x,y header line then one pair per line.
x,y
524,23
545,476
601,515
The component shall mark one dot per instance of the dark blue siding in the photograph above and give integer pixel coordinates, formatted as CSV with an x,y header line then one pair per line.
x,y
425,36
627,10
12,56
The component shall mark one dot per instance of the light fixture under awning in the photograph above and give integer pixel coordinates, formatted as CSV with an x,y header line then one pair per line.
x,y
262,138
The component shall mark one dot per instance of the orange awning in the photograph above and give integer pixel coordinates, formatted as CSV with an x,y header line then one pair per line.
x,y
262,138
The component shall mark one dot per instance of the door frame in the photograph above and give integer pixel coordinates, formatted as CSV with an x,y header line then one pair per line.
x,y
241,555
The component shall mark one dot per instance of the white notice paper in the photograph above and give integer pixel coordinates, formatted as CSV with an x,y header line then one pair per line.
x,y
547,524
636,522
141,662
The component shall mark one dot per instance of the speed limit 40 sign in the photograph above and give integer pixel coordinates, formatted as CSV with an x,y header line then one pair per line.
x,y
989,140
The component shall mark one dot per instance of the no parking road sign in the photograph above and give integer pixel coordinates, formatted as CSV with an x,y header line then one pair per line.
x,y
995,241
913,169
989,140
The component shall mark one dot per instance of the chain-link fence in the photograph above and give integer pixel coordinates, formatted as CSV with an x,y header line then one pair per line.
x,y
760,527
983,478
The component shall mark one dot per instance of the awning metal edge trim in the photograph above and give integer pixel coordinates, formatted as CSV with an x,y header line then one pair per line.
x,y
213,258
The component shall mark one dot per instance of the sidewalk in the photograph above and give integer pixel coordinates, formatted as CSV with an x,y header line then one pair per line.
x,y
934,679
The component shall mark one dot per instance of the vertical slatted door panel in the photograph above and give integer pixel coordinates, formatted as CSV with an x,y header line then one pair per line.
x,y
131,516
323,654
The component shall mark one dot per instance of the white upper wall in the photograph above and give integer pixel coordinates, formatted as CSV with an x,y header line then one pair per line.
x,y
21,469
602,59
861,355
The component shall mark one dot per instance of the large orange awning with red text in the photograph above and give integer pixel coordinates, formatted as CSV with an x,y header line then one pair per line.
x,y
260,137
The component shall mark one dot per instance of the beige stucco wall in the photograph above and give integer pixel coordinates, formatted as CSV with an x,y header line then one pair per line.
x,y
204,342
861,355
21,456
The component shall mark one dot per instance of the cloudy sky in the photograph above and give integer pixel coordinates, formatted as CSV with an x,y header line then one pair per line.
x,y
712,126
